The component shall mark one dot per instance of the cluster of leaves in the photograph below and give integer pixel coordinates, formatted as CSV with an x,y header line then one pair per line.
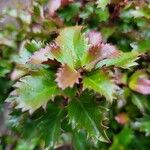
x,y
78,75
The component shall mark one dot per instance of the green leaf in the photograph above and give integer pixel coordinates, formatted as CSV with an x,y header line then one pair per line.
x,y
70,11
34,91
122,140
100,82
125,60
136,13
72,46
5,67
85,113
107,32
102,3
142,46
44,126
102,14
143,124
33,46
26,145
139,101
80,140
49,125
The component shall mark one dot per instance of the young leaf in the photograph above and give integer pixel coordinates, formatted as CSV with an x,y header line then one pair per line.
x,y
84,113
67,77
122,118
53,6
94,38
17,73
100,82
124,60
56,4
34,91
99,52
139,82
72,45
109,51
42,55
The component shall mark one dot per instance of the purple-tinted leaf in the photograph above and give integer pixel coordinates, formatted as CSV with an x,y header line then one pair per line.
x,y
140,83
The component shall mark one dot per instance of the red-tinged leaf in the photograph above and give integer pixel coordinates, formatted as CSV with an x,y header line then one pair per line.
x,y
55,51
109,51
140,83
92,57
56,4
124,60
67,77
17,73
53,6
143,86
99,52
119,77
122,118
94,38
42,55
65,2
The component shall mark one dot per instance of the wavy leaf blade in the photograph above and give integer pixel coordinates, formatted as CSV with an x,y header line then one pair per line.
x,y
100,83
84,113
34,91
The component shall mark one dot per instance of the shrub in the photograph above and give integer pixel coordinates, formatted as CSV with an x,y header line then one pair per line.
x,y
78,75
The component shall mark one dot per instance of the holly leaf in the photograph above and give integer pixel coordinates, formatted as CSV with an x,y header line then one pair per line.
x,y
17,73
71,9
46,126
124,60
33,46
98,52
139,82
100,82
123,139
53,6
140,101
122,118
85,113
56,4
141,46
67,77
94,38
102,3
109,51
143,124
49,125
34,91
72,45
5,67
80,140
41,56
